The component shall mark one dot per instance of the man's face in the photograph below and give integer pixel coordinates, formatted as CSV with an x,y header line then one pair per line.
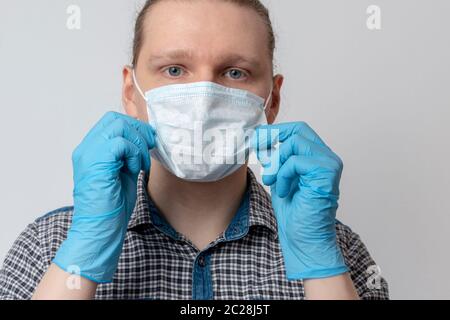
x,y
191,41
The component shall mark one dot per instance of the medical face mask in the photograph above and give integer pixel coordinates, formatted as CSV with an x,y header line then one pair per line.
x,y
203,130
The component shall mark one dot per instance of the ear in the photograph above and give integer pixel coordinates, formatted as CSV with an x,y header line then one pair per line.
x,y
132,101
274,107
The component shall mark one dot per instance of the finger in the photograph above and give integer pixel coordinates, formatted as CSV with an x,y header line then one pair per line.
x,y
127,153
101,124
297,166
300,146
295,145
268,135
143,128
121,128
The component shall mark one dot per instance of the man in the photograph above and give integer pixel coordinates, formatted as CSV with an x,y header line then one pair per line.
x,y
162,228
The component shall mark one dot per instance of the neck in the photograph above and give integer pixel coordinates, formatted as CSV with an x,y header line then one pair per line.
x,y
201,211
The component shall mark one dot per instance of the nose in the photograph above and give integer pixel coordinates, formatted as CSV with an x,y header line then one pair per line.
x,y
206,73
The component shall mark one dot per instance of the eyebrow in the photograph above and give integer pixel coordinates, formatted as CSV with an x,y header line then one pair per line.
x,y
180,54
172,54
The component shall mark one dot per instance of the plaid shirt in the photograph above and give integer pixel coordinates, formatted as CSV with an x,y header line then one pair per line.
x,y
245,262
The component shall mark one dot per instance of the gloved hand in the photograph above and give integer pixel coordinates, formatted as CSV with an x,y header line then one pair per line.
x,y
106,166
304,176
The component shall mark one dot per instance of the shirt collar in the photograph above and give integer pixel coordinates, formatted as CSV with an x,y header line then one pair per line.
x,y
256,210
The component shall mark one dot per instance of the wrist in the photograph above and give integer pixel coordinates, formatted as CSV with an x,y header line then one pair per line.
x,y
92,247
317,273
315,261
339,287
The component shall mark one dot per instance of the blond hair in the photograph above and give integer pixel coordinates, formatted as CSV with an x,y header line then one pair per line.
x,y
253,4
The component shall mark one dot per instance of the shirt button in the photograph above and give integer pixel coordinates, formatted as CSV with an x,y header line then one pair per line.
x,y
201,261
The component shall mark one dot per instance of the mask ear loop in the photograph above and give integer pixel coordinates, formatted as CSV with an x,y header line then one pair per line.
x,y
266,104
143,96
137,85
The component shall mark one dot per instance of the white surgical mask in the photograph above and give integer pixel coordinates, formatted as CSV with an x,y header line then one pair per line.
x,y
203,129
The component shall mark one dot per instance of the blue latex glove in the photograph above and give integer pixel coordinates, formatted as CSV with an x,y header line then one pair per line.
x,y
106,166
304,176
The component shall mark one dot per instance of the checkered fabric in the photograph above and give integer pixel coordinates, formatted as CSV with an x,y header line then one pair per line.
x,y
245,262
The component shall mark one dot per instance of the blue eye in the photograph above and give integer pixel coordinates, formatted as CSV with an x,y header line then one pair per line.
x,y
235,74
174,71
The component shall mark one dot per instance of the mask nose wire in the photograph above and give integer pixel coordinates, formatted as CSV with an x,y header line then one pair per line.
x,y
266,104
137,85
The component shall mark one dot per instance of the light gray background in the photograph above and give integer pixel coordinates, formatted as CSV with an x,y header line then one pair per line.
x,y
380,99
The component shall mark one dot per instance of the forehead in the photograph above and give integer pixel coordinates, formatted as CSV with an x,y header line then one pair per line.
x,y
207,29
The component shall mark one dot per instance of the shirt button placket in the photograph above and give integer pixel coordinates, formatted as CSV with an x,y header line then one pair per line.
x,y
201,261
202,282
